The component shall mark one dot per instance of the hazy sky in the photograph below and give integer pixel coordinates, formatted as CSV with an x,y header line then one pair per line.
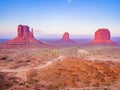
x,y
81,17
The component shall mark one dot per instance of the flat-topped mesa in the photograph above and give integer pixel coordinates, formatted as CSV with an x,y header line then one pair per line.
x,y
102,36
23,31
66,38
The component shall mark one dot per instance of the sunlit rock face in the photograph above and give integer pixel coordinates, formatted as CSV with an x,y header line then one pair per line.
x,y
24,37
102,35
66,38
23,31
24,34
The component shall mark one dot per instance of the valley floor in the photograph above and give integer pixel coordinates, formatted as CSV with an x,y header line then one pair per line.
x,y
62,68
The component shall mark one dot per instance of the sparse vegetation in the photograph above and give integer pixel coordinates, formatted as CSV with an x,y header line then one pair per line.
x,y
70,67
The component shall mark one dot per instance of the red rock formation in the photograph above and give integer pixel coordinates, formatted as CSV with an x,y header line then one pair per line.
x,y
66,39
102,35
66,36
24,37
23,31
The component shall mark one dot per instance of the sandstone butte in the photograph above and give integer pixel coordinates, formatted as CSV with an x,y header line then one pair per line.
x,y
66,38
25,37
102,35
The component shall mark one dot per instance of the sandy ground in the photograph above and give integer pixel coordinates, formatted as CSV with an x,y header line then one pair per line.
x,y
58,64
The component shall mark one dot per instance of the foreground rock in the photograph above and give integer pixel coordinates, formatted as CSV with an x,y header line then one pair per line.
x,y
79,73
70,72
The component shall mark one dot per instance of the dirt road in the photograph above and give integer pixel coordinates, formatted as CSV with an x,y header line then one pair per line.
x,y
37,67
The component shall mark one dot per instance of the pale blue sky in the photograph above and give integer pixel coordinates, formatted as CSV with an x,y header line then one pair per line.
x,y
81,17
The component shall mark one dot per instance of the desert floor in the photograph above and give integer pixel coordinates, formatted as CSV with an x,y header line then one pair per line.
x,y
62,68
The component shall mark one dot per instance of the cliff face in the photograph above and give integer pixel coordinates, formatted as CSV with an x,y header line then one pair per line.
x,y
66,38
24,37
24,32
102,35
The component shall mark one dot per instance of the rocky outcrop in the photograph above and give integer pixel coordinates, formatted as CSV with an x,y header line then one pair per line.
x,y
74,72
66,38
24,37
102,35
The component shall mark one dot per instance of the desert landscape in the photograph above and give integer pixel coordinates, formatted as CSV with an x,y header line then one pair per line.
x,y
82,67
28,64
59,44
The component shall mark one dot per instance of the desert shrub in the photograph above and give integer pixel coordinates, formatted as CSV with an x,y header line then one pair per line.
x,y
4,83
17,87
4,57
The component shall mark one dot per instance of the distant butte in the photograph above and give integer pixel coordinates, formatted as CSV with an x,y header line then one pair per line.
x,y
102,36
25,37
66,38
